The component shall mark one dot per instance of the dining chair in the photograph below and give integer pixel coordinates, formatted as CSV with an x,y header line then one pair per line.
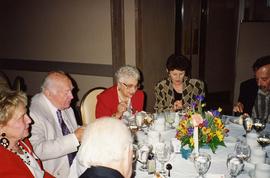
x,y
19,84
88,105
4,81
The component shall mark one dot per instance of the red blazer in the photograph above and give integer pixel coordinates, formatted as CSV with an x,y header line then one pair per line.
x,y
107,102
11,165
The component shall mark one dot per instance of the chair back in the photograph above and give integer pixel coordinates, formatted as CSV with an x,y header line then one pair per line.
x,y
88,105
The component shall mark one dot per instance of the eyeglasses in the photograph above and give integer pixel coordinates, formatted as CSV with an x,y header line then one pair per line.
x,y
130,86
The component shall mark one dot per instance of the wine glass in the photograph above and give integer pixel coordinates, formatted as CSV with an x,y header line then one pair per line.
x,y
163,153
139,118
242,150
234,165
264,139
170,118
259,125
202,162
247,123
144,150
132,126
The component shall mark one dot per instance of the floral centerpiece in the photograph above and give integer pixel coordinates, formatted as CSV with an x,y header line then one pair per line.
x,y
211,129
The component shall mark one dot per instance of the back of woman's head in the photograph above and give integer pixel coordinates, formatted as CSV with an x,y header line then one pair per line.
x,y
178,62
9,101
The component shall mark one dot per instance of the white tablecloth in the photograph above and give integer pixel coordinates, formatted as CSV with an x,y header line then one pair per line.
x,y
185,168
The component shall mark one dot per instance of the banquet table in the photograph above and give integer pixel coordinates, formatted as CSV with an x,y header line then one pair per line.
x,y
184,167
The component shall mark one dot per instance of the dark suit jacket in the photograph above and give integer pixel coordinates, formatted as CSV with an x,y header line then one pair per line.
x,y
107,102
11,165
101,172
248,94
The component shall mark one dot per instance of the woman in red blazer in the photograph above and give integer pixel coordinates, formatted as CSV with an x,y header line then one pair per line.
x,y
17,157
123,96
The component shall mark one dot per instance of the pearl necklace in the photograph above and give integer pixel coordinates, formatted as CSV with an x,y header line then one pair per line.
x,y
25,158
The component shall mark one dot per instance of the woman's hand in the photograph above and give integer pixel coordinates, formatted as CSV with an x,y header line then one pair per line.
x,y
121,108
177,105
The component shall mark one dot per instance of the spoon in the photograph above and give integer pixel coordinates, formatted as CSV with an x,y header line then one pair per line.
x,y
169,168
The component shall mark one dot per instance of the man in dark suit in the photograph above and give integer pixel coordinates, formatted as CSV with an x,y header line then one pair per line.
x,y
255,93
247,96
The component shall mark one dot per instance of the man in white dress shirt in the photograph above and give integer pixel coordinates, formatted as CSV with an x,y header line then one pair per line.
x,y
55,133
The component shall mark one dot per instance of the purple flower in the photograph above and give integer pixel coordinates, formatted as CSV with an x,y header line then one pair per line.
x,y
200,97
193,105
205,123
190,131
215,113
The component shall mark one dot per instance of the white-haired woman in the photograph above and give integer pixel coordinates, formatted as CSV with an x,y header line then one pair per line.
x,y
123,96
106,150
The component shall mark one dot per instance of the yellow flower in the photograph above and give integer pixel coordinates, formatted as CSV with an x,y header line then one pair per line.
x,y
206,130
191,141
219,135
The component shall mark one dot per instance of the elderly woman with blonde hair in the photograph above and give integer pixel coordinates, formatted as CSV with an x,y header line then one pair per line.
x,y
123,97
17,157
106,150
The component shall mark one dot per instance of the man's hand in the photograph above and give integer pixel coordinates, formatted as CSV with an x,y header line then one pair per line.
x,y
238,107
79,133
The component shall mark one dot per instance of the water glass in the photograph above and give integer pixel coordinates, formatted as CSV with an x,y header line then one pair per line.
x,y
242,150
234,165
163,153
202,162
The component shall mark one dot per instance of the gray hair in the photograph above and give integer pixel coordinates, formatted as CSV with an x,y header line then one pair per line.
x,y
127,72
51,80
104,141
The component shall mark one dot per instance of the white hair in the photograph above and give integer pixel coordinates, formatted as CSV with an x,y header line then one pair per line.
x,y
126,72
104,141
51,80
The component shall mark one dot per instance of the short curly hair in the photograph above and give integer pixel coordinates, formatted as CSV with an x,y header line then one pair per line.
x,y
9,101
178,62
127,72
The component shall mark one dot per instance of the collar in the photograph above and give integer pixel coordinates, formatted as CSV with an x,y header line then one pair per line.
x,y
105,172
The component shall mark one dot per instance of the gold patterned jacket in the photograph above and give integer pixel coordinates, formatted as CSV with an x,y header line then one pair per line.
x,y
165,96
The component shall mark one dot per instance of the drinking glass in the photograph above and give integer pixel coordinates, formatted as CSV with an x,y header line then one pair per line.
x,y
242,150
163,153
234,165
259,125
139,120
144,150
247,123
264,139
170,118
132,126
202,162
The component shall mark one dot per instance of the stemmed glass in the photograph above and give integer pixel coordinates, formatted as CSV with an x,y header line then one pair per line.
x,y
163,153
170,118
139,120
234,165
259,125
247,123
202,162
242,150
144,150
